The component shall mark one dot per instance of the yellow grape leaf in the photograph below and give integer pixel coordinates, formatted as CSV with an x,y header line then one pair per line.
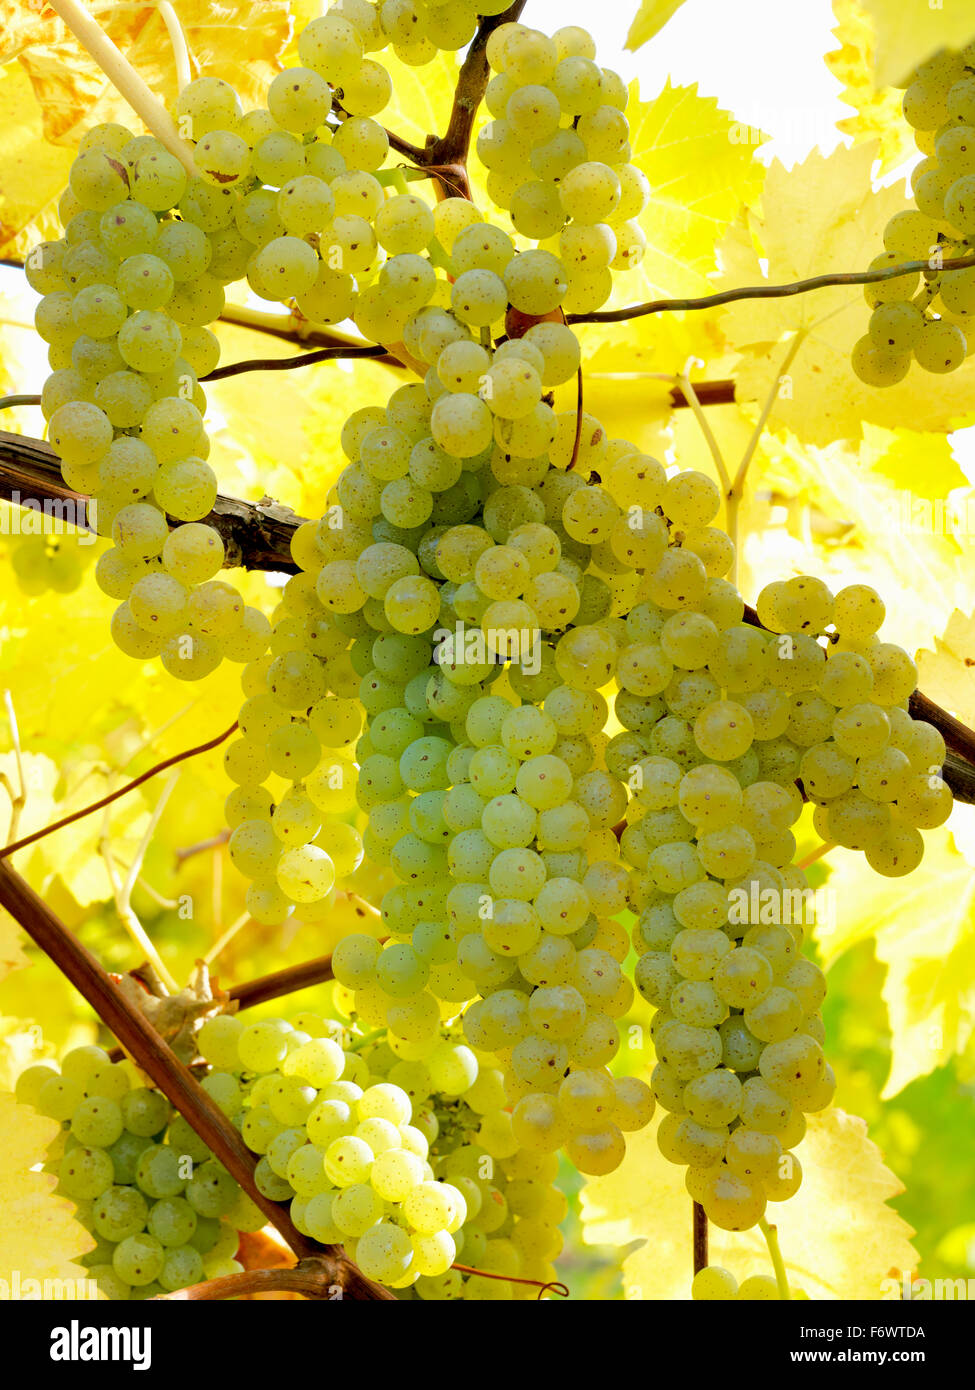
x,y
922,464
649,20
39,1236
617,389
907,34
925,934
845,1188
878,109
834,514
822,217
699,177
33,173
947,674
700,174
241,43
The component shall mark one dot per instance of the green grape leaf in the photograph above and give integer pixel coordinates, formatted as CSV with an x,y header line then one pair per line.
x,y
924,927
845,1187
908,34
649,20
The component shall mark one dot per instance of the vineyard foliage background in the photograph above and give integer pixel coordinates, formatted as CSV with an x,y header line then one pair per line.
x,y
835,473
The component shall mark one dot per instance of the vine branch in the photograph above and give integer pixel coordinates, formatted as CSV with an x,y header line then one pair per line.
x,y
815,282
280,982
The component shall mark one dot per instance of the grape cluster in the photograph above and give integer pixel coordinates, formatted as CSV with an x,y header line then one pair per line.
x,y
390,1153
930,321
558,160
164,1212
293,197
749,716
513,1205
127,293
873,772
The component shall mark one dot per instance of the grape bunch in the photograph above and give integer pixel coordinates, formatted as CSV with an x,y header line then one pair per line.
x,y
558,161
127,293
165,1214
293,198
391,1153
929,320
752,715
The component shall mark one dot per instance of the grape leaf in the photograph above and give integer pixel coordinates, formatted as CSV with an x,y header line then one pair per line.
x,y
845,1188
948,673
878,109
235,41
700,175
908,34
649,20
33,173
39,1236
921,464
820,217
924,927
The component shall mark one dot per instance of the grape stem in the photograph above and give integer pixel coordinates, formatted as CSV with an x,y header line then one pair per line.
x,y
36,835
734,495
124,78
18,798
578,434
771,1234
816,855
202,847
682,383
815,282
555,1285
181,53
122,889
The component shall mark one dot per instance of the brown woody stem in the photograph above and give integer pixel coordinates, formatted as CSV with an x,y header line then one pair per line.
x,y
700,1238
287,981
